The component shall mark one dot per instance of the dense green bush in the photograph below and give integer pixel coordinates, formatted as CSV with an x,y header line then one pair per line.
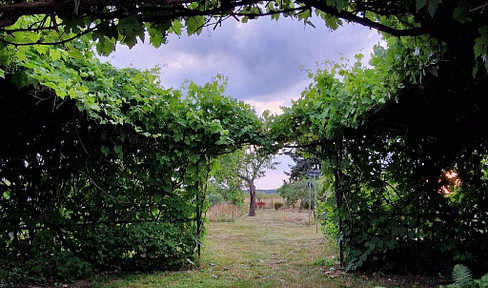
x,y
159,246
278,205
59,224
215,198
298,191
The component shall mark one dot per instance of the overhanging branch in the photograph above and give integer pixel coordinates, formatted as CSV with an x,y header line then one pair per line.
x,y
164,10
348,16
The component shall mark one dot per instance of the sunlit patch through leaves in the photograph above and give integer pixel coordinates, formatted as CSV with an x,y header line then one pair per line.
x,y
450,180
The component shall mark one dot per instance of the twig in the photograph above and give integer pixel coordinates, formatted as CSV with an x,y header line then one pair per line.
x,y
481,7
102,190
79,138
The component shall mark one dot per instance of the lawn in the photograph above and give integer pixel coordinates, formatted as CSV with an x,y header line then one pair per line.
x,y
272,249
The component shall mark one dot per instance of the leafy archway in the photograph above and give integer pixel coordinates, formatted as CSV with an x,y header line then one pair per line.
x,y
111,179
387,134
404,143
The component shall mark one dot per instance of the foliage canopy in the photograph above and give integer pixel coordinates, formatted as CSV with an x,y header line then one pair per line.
x,y
390,135
111,178
26,22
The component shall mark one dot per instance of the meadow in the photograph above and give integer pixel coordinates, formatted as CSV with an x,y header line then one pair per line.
x,y
272,249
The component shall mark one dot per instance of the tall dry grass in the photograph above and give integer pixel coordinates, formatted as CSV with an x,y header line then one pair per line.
x,y
224,212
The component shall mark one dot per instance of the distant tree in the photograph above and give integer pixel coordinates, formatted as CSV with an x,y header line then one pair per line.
x,y
293,192
297,189
237,170
303,165
214,193
252,166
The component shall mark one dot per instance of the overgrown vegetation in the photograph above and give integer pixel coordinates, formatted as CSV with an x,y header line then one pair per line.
x,y
111,179
225,212
101,162
278,205
404,146
463,278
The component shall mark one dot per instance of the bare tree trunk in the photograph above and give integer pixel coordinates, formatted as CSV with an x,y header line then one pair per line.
x,y
252,199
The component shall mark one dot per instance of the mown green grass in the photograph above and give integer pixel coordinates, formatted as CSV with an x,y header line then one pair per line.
x,y
273,249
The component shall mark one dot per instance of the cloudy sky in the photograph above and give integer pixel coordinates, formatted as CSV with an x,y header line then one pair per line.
x,y
263,60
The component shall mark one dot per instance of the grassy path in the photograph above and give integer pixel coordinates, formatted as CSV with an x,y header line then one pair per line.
x,y
273,249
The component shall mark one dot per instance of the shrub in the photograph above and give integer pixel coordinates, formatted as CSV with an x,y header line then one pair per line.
x,y
44,265
278,205
159,246
215,198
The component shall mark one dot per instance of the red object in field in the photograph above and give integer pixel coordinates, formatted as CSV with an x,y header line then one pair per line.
x,y
261,204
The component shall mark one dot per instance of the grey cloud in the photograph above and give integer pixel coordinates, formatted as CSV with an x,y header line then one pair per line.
x,y
262,57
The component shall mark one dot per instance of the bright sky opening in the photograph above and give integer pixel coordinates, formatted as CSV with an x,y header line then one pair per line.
x,y
265,62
